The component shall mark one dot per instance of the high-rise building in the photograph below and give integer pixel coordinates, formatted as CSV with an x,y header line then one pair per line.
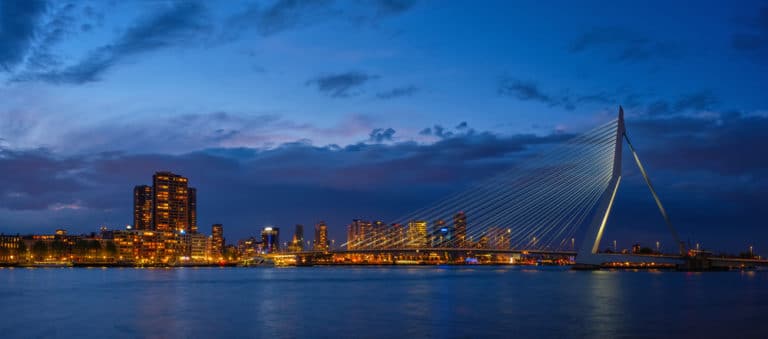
x,y
297,243
417,234
442,234
142,207
359,234
378,234
321,237
217,241
270,239
396,237
460,227
192,210
170,202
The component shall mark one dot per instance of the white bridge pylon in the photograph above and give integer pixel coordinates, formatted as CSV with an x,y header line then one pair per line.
x,y
588,253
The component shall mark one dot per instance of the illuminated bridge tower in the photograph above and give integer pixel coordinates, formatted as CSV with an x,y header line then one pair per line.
x,y
588,253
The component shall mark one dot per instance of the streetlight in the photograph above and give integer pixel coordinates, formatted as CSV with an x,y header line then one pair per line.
x,y
573,244
751,253
657,246
615,249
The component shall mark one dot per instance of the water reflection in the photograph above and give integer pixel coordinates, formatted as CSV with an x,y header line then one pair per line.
x,y
379,302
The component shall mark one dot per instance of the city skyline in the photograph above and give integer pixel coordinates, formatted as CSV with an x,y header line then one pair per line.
x,y
292,112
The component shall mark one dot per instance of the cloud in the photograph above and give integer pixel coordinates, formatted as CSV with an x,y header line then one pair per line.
x,y
18,20
529,91
461,130
397,92
379,135
623,45
725,145
341,85
383,179
53,29
180,23
692,161
697,101
285,15
754,35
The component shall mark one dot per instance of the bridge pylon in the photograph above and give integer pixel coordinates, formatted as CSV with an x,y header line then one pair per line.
x,y
588,254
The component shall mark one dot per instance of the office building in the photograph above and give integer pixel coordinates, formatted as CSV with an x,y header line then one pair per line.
x,y
170,202
460,229
217,241
321,237
270,239
142,207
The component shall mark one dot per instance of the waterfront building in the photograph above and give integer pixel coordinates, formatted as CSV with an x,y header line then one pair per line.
x,y
417,234
397,237
358,234
192,210
142,207
297,243
321,237
249,247
217,241
270,239
11,248
442,235
378,234
170,202
460,228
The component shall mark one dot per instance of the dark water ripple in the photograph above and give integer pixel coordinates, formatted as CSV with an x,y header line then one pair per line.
x,y
380,302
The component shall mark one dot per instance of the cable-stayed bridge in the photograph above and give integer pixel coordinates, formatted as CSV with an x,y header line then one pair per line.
x,y
540,205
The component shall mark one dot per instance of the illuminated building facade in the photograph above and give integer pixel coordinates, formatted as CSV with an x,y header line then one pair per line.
x,y
359,234
442,235
192,210
142,207
10,246
321,237
217,241
460,227
297,243
270,239
417,234
170,202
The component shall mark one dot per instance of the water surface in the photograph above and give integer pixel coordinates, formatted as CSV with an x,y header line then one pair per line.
x,y
380,302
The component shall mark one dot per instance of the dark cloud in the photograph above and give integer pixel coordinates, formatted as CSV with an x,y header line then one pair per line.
x,y
281,15
529,91
182,22
377,179
462,125
18,20
341,85
727,145
697,101
712,162
59,25
397,92
753,37
381,135
623,45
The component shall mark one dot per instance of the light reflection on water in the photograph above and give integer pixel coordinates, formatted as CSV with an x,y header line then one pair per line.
x,y
380,302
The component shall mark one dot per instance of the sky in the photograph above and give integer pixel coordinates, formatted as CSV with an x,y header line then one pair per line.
x,y
294,111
